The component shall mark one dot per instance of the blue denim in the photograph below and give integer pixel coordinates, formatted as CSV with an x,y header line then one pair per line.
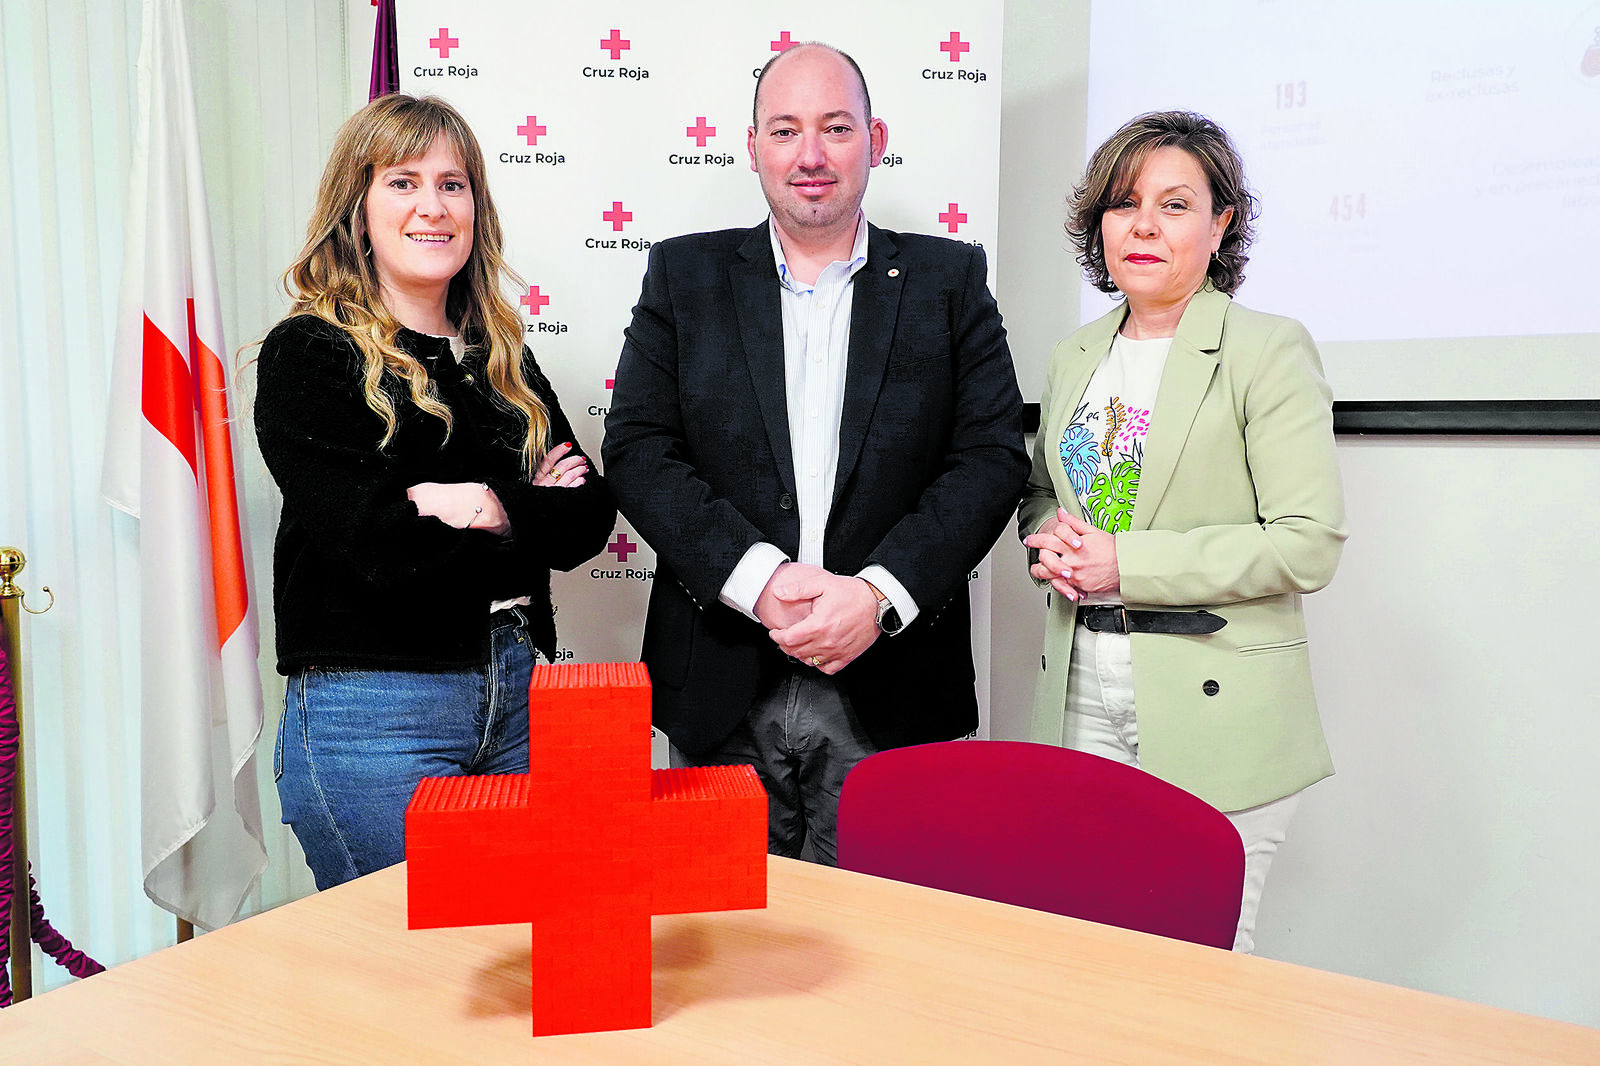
x,y
353,744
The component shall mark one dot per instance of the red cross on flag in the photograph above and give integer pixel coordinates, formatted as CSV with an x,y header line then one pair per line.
x,y
169,463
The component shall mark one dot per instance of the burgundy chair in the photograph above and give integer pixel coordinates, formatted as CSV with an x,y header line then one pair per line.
x,y
1048,828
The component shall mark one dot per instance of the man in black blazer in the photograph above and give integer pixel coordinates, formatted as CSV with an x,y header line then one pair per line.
x,y
816,425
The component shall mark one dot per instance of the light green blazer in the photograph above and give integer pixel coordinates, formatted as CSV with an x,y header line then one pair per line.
x,y
1239,511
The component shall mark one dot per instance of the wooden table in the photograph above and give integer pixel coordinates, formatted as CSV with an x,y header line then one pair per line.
x,y
840,968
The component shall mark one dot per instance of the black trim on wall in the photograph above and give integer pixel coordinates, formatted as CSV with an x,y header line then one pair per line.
x,y
1543,418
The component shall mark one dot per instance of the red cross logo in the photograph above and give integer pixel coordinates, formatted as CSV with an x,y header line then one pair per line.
x,y
444,42
534,301
611,383
700,131
587,845
953,217
955,46
617,216
532,130
615,44
622,547
784,42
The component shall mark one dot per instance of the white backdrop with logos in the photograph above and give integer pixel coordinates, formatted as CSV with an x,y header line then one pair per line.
x,y
607,132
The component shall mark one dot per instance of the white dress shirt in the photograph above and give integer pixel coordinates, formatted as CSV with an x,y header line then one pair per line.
x,y
816,354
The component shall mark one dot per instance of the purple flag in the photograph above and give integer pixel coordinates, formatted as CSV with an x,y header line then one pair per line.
x,y
385,54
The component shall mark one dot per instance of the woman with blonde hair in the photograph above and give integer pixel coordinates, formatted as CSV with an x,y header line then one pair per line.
x,y
430,483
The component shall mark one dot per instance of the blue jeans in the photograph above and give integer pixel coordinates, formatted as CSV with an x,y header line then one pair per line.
x,y
353,744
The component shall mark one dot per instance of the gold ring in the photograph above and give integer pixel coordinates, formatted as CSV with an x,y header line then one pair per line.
x,y
558,475
816,660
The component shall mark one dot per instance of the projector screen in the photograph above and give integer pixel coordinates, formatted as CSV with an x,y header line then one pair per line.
x,y
1428,174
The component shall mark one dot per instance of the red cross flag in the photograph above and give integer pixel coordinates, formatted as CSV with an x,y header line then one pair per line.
x,y
169,463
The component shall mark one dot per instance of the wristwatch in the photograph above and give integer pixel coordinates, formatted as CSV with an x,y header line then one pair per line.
x,y
888,618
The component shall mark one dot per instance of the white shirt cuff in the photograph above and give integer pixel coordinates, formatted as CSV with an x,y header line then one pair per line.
x,y
744,586
904,605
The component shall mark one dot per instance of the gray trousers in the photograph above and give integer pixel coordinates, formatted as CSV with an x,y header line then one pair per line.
x,y
802,737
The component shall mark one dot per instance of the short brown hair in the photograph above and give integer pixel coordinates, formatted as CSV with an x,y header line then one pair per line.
x,y
1115,166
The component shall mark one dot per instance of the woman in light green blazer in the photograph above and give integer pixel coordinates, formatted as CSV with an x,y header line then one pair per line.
x,y
1184,494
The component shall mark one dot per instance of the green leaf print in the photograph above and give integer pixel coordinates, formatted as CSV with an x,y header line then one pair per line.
x,y
1110,502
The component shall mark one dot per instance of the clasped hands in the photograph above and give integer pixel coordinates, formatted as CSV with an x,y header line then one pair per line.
x,y
474,505
820,618
1074,556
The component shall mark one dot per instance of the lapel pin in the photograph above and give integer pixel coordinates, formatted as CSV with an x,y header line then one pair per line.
x,y
894,272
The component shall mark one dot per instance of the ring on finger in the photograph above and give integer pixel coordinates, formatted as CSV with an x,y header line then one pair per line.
x,y
816,660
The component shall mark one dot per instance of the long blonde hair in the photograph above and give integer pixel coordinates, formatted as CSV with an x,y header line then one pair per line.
x,y
333,277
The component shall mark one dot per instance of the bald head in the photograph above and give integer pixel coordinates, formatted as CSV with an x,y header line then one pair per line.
x,y
813,144
788,53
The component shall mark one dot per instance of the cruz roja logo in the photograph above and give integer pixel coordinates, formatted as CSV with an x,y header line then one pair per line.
x,y
619,216
629,574
622,548
444,72
707,159
531,131
621,73
954,48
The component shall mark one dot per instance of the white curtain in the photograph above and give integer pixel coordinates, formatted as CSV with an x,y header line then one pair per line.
x,y
271,86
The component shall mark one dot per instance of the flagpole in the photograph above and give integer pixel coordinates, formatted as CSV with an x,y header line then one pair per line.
x,y
28,925
21,927
21,924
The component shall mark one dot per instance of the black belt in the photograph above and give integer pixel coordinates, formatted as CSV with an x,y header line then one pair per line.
x,y
1108,618
517,614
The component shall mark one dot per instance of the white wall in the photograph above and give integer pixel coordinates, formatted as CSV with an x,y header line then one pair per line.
x,y
1456,849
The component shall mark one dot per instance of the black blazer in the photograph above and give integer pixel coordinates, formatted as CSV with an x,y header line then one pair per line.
x,y
931,464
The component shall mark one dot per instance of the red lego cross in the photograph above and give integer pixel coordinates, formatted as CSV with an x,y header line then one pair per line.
x,y
587,846
532,130
953,217
954,46
615,44
617,216
444,42
784,42
534,301
700,131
